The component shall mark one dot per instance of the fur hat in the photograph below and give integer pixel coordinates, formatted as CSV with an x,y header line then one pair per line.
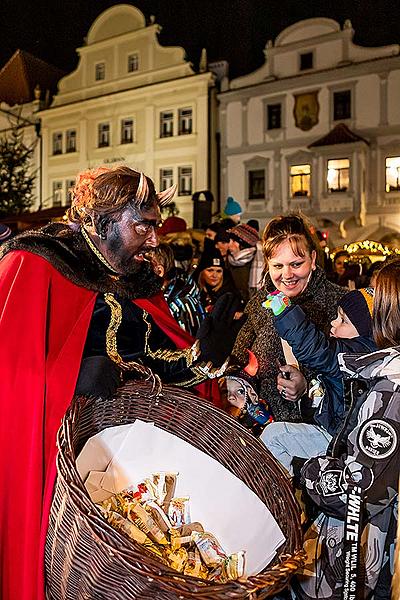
x,y
244,234
358,305
232,207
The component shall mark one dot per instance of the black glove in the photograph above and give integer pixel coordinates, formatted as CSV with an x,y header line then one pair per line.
x,y
98,376
218,331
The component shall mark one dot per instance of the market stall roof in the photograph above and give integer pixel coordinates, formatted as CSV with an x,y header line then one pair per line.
x,y
340,134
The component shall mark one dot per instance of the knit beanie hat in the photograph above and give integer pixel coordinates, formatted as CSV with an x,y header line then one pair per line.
x,y
232,207
358,305
211,258
244,234
5,232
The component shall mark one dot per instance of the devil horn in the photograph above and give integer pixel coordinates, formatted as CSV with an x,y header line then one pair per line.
x,y
143,188
166,196
252,366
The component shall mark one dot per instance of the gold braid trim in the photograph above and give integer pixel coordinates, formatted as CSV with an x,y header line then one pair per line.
x,y
191,354
96,251
111,336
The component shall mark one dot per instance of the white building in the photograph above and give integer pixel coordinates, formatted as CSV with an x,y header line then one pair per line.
x,y
316,129
131,100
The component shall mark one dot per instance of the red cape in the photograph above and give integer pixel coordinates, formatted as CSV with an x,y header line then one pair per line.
x,y
44,321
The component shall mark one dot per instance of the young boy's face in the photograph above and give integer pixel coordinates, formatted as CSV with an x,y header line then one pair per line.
x,y
342,327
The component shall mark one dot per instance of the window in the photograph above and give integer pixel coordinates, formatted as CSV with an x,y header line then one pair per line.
x,y
185,121
126,131
274,116
166,124
57,193
103,135
166,178
133,63
338,175
57,143
393,174
100,71
256,184
306,61
185,181
341,105
71,140
300,176
69,184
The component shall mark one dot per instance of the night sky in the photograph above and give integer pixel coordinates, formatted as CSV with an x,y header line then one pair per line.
x,y
235,30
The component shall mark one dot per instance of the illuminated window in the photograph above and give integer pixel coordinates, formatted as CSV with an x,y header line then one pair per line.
x,y
185,121
103,135
71,140
133,63
256,184
166,178
57,192
100,71
338,175
126,131
300,178
393,174
57,142
185,181
166,124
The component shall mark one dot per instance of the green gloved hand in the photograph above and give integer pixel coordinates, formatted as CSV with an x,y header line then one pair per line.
x,y
277,302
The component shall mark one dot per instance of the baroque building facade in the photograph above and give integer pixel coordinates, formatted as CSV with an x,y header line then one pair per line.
x,y
316,129
134,101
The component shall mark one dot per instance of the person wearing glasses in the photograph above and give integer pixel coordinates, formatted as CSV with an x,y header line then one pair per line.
x,y
76,314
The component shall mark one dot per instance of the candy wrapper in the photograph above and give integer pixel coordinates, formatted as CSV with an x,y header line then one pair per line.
x,y
179,511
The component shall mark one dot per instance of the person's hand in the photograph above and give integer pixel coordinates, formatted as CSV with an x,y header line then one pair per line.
x,y
291,383
98,376
218,331
277,302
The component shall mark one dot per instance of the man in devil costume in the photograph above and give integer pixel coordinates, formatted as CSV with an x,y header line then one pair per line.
x,y
77,311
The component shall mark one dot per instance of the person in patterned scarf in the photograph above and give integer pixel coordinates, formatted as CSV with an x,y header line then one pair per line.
x,y
354,487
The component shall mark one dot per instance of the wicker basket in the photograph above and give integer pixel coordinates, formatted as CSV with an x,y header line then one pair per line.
x,y
87,559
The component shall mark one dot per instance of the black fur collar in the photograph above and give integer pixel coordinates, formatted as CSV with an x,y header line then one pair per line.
x,y
68,252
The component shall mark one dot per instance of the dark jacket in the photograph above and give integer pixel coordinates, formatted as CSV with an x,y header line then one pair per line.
x,y
364,453
258,334
315,350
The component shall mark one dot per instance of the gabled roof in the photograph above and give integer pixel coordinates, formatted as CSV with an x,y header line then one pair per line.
x,y
340,134
22,73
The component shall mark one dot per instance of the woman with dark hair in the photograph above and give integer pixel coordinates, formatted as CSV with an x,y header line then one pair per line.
x,y
350,544
213,279
290,255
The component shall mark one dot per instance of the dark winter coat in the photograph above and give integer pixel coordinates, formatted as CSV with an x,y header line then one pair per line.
x,y
315,350
258,334
365,454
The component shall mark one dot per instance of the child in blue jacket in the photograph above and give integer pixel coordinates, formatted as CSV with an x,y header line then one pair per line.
x,y
351,332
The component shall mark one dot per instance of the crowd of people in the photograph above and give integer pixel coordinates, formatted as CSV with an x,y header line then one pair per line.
x,y
303,351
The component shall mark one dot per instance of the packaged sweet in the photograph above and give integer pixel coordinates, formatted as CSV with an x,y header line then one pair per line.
x,y
177,558
179,511
230,569
209,547
194,566
158,515
190,527
119,522
145,522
